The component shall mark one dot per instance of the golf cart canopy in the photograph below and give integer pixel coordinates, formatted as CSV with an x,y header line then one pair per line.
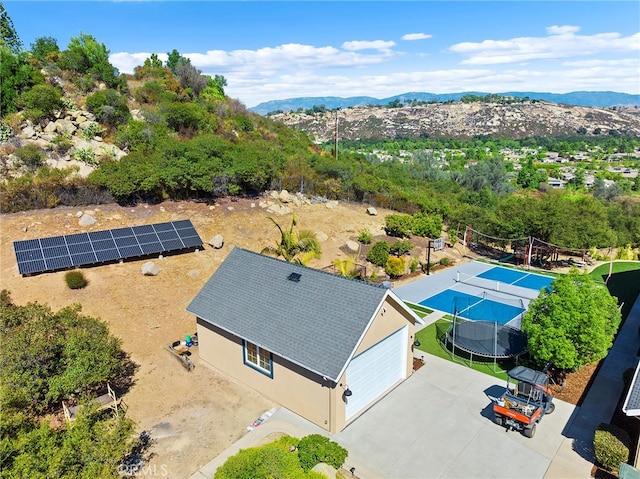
x,y
520,373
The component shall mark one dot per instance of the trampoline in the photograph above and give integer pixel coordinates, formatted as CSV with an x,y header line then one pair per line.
x,y
487,339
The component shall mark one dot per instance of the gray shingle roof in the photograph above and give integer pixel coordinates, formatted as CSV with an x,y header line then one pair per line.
x,y
315,322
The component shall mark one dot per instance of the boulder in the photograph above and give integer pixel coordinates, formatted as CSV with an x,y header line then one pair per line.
x,y
28,132
150,269
284,196
65,126
274,194
322,236
352,246
217,242
372,211
87,220
277,209
50,128
331,204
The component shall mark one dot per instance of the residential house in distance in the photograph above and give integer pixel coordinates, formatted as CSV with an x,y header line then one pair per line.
x,y
324,346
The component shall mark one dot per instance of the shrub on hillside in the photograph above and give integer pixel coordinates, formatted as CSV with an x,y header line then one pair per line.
x,y
75,280
611,446
398,225
379,253
41,101
314,449
445,261
109,107
30,156
425,225
364,236
400,248
413,265
395,267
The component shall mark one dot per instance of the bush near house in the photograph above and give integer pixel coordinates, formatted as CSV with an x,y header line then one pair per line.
x,y
314,449
286,457
611,446
379,253
395,267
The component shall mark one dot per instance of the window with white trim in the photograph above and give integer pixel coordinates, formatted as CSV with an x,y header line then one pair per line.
x,y
258,358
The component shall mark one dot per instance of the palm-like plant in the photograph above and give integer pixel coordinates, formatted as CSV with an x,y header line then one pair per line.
x,y
347,267
294,247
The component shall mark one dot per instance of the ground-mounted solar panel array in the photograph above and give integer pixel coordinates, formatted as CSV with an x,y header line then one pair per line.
x,y
96,247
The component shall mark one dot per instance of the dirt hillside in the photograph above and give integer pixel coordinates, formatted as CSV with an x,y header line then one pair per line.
x,y
193,416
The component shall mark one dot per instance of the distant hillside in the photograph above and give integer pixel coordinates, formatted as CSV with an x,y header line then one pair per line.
x,y
466,120
579,98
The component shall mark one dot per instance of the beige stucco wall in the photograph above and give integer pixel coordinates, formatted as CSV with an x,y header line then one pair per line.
x,y
389,319
305,393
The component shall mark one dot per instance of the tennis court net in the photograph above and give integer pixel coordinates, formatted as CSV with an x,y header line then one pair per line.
x,y
493,285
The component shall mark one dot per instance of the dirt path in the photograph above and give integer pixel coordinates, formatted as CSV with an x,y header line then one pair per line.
x,y
192,416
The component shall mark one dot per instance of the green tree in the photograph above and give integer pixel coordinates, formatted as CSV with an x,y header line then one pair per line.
x,y
60,353
17,75
8,36
295,247
45,49
572,323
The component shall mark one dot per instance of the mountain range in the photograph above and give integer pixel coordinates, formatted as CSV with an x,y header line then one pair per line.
x,y
578,98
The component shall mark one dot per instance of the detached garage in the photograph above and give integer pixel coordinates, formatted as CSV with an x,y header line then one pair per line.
x,y
324,346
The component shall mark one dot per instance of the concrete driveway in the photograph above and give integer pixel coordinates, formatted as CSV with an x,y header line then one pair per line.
x,y
438,423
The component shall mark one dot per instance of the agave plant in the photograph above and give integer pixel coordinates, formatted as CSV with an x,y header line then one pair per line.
x,y
295,247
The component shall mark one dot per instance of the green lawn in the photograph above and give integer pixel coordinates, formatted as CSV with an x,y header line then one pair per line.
x,y
623,284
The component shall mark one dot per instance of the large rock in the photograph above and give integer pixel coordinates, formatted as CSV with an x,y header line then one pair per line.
x,y
284,196
150,269
28,132
352,246
331,204
87,220
279,210
50,128
217,242
65,126
372,211
326,470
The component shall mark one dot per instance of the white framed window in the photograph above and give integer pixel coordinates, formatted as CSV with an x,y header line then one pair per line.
x,y
258,358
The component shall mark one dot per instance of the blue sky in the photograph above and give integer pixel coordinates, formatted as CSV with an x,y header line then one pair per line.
x,y
276,50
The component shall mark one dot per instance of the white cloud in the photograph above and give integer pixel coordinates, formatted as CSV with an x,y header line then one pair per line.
x,y
416,36
291,56
368,45
562,29
562,43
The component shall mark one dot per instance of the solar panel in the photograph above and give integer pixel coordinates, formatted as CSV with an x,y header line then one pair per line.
x,y
81,249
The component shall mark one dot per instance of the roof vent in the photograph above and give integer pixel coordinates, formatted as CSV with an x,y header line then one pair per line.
x,y
294,277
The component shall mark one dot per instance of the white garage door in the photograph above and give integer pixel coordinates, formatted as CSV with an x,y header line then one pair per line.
x,y
375,370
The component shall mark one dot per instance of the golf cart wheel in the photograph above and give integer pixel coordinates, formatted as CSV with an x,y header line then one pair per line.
x,y
499,420
530,431
552,407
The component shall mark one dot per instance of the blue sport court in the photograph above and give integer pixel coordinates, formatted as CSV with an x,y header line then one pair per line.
x,y
461,298
517,278
472,307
